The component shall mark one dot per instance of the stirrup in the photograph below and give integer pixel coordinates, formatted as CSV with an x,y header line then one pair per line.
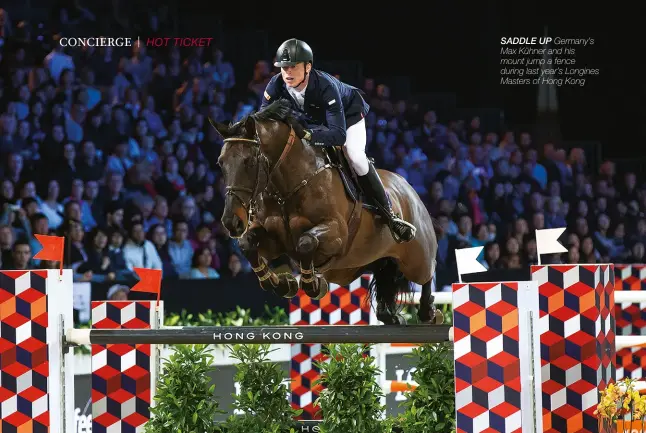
x,y
394,220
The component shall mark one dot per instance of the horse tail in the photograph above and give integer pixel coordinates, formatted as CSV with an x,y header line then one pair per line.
x,y
388,282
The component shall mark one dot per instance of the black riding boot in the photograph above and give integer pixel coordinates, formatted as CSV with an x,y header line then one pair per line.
x,y
371,185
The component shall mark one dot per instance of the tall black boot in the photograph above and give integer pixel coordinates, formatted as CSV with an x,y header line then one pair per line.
x,y
372,186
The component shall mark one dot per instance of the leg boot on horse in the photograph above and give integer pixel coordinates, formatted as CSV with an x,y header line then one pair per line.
x,y
251,243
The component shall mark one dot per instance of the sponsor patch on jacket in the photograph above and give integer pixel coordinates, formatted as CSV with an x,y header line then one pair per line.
x,y
331,102
267,97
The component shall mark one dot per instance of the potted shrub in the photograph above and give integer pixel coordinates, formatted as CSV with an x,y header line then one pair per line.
x,y
430,407
351,398
184,402
264,393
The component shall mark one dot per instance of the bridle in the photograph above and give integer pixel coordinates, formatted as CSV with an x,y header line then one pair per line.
x,y
234,190
253,193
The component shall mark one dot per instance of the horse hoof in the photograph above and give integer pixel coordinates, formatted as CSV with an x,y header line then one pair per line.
x,y
389,319
268,285
291,284
316,289
426,319
439,318
323,288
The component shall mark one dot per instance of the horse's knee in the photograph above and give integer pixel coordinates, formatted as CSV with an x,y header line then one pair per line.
x,y
307,244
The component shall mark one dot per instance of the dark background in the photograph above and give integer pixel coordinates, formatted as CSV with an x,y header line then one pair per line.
x,y
454,47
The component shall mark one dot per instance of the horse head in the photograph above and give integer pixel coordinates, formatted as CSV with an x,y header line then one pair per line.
x,y
242,166
252,148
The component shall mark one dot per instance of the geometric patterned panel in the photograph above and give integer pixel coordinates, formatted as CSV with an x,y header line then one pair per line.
x,y
577,337
487,357
24,399
121,373
631,320
340,306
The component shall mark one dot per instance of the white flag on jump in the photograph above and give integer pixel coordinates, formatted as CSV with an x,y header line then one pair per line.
x,y
547,241
467,261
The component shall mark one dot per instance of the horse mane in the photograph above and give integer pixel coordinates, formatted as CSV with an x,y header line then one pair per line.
x,y
238,129
279,110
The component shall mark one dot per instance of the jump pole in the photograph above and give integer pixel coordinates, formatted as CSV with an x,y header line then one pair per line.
x,y
264,335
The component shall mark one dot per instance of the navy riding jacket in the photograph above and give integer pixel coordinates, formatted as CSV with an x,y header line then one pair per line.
x,y
329,103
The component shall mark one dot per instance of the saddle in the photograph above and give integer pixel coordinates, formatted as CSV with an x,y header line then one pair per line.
x,y
337,159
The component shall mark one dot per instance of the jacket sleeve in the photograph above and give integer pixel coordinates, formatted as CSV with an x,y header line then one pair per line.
x,y
270,93
335,134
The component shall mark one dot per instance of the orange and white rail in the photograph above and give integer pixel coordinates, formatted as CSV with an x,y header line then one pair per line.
x,y
389,386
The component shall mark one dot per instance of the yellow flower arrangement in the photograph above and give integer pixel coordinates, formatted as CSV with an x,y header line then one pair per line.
x,y
620,403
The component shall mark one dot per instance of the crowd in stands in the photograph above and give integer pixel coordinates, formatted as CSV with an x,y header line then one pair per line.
x,y
112,149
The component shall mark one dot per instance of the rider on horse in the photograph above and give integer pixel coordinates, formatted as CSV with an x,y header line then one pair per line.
x,y
334,115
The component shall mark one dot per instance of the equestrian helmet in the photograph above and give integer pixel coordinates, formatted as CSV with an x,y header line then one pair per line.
x,y
293,51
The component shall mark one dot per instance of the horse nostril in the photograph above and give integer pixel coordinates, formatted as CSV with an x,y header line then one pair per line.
x,y
238,225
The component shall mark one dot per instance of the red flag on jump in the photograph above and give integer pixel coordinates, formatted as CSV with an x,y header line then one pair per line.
x,y
53,248
149,281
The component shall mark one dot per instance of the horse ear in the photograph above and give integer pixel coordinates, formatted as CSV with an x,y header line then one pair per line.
x,y
250,126
221,128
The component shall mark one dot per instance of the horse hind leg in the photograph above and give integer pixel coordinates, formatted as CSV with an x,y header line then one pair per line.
x,y
388,282
427,312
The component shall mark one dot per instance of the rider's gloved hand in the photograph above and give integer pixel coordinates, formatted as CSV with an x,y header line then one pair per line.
x,y
300,131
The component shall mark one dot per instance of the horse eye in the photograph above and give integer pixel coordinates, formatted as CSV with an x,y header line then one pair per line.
x,y
249,162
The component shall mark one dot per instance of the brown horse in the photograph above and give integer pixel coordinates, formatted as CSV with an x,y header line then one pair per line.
x,y
284,197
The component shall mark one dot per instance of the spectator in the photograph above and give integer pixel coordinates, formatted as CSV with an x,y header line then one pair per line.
x,y
97,258
51,208
39,225
138,251
115,253
180,249
492,256
118,292
20,256
237,266
57,61
201,265
159,238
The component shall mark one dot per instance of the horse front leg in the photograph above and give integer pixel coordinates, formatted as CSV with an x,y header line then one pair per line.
x,y
257,239
323,240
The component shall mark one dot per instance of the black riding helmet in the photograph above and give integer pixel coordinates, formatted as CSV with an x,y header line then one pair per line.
x,y
293,51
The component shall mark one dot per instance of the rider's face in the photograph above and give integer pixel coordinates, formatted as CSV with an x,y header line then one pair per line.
x,y
294,75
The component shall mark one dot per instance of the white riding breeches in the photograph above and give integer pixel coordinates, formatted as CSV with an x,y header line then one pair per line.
x,y
355,148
